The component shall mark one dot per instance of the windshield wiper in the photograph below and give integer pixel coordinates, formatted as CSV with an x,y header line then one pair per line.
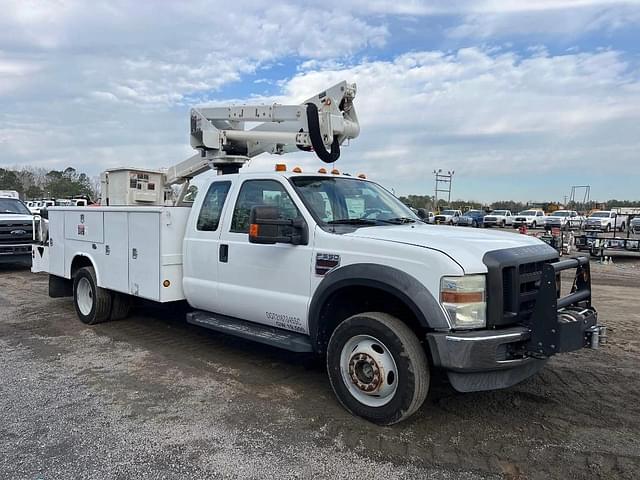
x,y
353,221
397,220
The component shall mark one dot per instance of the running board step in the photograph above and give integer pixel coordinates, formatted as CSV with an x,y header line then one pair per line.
x,y
276,337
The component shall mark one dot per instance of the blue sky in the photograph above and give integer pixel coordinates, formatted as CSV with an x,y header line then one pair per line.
x,y
521,98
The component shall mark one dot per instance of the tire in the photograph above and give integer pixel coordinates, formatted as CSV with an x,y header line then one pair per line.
x,y
502,224
389,345
451,223
534,224
622,227
474,224
120,306
608,229
92,303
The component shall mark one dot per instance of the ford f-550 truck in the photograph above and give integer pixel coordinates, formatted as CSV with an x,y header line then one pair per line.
x,y
331,264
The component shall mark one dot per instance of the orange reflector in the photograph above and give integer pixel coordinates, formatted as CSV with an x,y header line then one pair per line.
x,y
462,297
335,171
322,170
166,283
254,228
362,176
281,167
296,170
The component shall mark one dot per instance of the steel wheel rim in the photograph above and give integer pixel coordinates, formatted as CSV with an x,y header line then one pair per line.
x,y
369,370
84,296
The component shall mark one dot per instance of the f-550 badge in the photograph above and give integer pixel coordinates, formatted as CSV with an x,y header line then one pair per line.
x,y
325,262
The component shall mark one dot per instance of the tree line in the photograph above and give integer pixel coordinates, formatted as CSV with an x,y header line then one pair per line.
x,y
34,183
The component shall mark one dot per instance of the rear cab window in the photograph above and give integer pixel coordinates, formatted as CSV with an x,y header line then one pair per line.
x,y
211,209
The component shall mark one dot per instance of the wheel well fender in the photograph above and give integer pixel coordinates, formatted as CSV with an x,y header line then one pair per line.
x,y
81,260
396,285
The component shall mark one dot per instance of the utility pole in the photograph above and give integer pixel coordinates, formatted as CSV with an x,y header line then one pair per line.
x,y
443,184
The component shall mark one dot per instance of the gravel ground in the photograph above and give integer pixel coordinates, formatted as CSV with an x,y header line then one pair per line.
x,y
152,397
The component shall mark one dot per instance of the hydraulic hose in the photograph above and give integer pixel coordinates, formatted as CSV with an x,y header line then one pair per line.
x,y
313,120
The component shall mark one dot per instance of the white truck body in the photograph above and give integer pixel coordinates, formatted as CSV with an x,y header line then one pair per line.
x,y
133,250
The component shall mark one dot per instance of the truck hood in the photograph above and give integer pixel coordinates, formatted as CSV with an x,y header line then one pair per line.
x,y
15,217
465,246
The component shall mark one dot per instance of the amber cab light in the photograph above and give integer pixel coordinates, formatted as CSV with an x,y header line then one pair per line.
x,y
281,167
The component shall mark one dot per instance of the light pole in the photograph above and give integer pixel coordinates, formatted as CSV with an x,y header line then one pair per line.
x,y
443,184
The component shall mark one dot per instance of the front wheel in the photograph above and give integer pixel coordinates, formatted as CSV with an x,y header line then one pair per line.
x,y
474,224
534,224
377,368
92,303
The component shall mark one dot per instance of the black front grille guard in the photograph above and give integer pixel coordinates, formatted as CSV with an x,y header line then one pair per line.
x,y
562,324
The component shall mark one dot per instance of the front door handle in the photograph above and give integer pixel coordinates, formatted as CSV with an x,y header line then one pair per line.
x,y
224,253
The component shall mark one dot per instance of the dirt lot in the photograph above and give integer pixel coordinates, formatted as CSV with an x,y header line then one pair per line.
x,y
153,397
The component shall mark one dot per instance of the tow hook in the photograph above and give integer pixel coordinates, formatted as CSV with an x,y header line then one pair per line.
x,y
596,336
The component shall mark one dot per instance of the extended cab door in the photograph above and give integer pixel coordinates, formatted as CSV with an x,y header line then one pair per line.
x,y
202,247
267,284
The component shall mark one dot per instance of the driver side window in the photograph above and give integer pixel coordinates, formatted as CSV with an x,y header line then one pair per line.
x,y
261,193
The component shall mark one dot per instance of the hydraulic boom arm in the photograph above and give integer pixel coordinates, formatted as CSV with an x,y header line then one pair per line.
x,y
320,124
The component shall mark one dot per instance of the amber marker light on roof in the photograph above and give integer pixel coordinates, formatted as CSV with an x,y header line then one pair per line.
x,y
335,171
296,170
281,167
322,170
362,176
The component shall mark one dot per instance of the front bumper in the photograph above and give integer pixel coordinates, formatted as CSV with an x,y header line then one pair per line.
x,y
500,358
15,254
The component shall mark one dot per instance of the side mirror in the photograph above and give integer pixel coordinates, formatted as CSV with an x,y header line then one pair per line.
x,y
422,213
266,227
44,213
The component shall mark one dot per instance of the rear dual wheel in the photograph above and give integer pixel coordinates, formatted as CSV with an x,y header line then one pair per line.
x,y
377,367
94,304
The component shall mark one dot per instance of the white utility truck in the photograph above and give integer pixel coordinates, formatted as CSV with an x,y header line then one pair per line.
x,y
321,262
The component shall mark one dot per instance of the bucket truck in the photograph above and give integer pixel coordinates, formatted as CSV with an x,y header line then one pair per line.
x,y
319,262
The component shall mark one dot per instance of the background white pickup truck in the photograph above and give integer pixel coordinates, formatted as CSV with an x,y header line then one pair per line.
x,y
607,221
530,218
448,217
498,218
565,219
334,265
16,229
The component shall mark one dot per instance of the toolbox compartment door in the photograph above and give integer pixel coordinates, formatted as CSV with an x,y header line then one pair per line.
x,y
115,275
144,254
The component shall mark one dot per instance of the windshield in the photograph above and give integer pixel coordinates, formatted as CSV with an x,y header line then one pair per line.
x,y
351,201
499,212
528,213
448,212
600,214
10,205
560,214
473,212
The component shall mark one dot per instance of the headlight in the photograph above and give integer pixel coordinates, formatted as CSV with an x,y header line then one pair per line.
x,y
465,300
